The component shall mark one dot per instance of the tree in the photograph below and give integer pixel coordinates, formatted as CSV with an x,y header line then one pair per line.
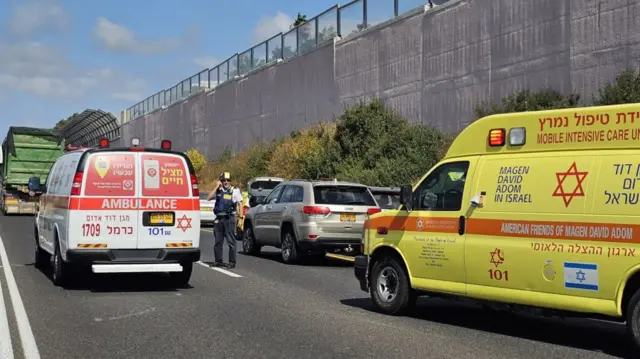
x,y
379,147
60,124
527,100
300,19
625,89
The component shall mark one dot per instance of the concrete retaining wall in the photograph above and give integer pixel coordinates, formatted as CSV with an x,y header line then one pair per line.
x,y
432,67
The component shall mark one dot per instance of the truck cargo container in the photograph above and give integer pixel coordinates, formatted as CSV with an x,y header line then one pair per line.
x,y
27,153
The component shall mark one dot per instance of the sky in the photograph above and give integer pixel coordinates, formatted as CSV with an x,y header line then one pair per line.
x,y
58,57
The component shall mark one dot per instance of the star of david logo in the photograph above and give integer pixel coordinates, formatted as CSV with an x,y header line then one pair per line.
x,y
578,191
581,276
497,257
184,223
420,224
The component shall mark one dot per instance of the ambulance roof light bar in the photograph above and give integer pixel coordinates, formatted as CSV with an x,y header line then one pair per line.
x,y
135,142
497,137
104,143
165,144
517,136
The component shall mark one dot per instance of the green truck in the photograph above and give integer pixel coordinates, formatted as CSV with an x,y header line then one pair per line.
x,y
27,153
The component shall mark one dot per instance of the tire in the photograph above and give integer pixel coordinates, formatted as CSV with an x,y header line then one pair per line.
x,y
181,279
633,320
41,258
60,271
249,245
289,247
391,291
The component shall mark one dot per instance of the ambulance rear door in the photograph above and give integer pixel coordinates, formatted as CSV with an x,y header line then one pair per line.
x,y
169,216
104,214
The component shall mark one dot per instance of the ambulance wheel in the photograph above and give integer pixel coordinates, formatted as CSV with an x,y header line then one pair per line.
x,y
181,279
249,245
40,255
60,272
633,319
391,291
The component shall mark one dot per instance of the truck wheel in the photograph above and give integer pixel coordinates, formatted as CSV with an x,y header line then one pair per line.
x,y
60,273
390,290
289,247
249,245
181,279
40,261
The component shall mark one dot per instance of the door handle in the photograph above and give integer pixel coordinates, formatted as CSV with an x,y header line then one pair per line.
x,y
461,225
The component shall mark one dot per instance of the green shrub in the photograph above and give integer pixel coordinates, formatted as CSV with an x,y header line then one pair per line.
x,y
527,100
625,89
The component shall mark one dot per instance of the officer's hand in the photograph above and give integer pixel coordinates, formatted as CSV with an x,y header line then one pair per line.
x,y
218,184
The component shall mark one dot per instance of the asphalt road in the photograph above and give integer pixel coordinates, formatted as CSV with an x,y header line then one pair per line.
x,y
262,309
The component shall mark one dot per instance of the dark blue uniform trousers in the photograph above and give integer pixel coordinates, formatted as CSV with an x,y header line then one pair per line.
x,y
225,228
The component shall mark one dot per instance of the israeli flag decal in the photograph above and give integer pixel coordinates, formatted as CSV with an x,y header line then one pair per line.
x,y
583,276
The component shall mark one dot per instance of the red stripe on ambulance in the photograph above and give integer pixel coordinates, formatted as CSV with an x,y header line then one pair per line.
x,y
134,204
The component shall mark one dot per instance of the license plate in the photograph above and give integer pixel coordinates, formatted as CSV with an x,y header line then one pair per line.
x,y
161,218
347,217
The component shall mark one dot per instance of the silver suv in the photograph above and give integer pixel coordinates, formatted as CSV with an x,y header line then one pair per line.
x,y
309,217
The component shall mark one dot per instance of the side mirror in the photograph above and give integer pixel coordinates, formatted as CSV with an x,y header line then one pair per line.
x,y
406,192
253,202
260,200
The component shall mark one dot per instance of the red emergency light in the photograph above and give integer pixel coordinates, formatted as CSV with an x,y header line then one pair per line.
x,y
165,144
497,137
104,143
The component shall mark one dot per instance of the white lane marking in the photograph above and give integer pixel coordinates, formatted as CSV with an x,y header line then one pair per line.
x,y
6,347
28,340
223,271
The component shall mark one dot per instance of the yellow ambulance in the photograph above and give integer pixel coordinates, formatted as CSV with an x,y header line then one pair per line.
x,y
534,209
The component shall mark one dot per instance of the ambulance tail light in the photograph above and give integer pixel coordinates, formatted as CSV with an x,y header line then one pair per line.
x,y
517,136
374,210
76,185
497,137
195,192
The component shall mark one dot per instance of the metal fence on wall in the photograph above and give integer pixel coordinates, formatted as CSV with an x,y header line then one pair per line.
x,y
339,20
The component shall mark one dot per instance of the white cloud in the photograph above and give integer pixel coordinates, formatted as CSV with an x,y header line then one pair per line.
x,y
37,69
207,62
32,16
269,26
119,38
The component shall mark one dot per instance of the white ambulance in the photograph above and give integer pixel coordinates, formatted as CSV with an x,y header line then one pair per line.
x,y
120,210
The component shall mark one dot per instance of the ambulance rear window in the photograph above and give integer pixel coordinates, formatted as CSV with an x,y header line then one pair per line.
x,y
110,174
164,175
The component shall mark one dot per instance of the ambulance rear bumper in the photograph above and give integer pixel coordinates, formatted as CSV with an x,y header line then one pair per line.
x,y
89,257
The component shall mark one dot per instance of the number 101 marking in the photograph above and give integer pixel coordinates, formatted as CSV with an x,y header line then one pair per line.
x,y
496,274
159,231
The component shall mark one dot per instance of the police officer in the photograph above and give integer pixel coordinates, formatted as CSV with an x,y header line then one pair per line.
x,y
227,207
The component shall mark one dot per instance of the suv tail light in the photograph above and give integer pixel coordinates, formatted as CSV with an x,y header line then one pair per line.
x,y
76,185
374,210
316,210
195,192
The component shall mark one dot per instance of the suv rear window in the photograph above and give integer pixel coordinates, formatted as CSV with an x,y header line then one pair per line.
x,y
343,195
387,200
264,184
